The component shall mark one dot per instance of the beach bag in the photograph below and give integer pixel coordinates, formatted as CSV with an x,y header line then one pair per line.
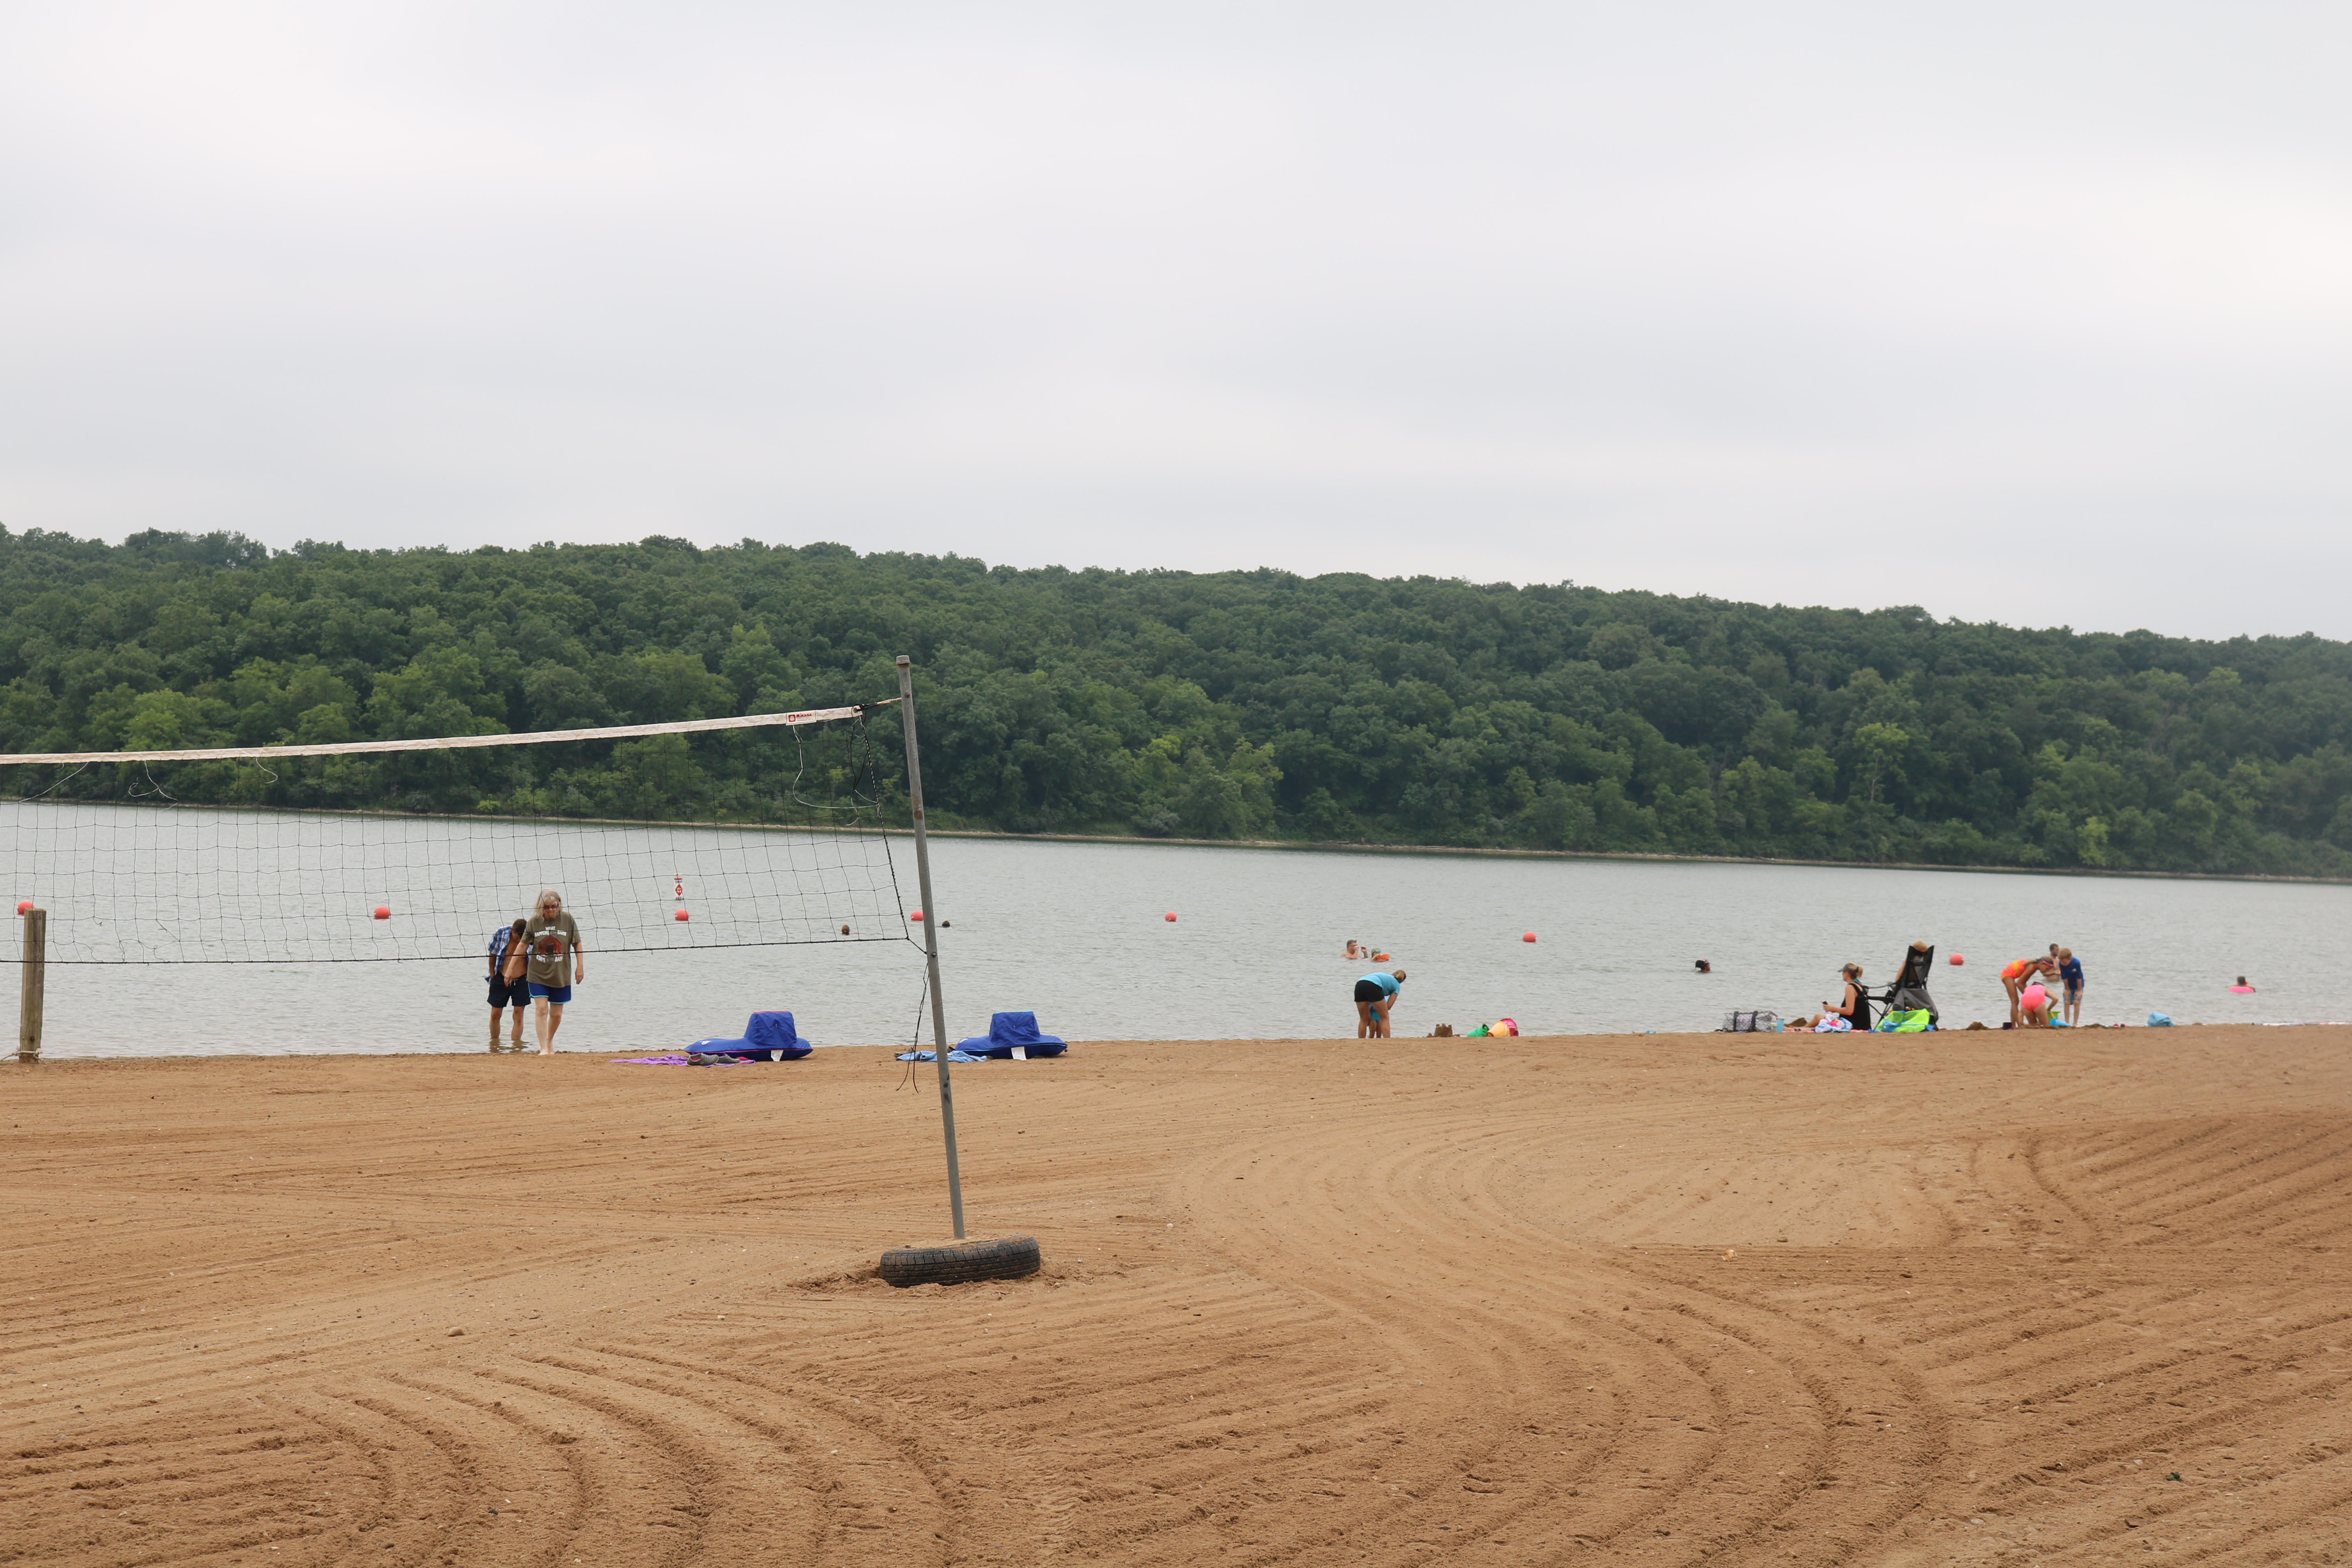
x,y
1909,1021
1761,1020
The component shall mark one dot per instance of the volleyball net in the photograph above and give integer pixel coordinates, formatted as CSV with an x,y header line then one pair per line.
x,y
752,831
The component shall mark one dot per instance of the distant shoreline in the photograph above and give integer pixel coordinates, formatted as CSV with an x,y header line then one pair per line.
x,y
1605,854
1319,845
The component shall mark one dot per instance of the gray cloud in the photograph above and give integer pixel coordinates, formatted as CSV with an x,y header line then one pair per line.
x,y
2030,313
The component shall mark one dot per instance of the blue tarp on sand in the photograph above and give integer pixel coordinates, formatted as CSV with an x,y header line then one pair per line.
x,y
768,1038
1007,1030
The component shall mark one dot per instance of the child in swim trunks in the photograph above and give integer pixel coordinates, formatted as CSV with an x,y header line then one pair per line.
x,y
2070,974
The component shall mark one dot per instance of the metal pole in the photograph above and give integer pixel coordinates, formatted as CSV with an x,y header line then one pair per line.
x,y
930,936
28,1015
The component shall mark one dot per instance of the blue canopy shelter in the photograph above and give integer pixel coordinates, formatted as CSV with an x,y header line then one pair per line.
x,y
768,1038
1007,1030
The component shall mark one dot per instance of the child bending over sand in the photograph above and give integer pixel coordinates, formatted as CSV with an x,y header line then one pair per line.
x,y
2014,977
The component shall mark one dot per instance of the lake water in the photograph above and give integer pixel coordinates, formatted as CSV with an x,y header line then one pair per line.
x,y
1073,931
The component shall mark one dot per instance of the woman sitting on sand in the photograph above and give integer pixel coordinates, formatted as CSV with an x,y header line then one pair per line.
x,y
1852,1010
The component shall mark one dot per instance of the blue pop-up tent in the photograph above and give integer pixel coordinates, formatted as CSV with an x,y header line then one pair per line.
x,y
1007,1030
768,1038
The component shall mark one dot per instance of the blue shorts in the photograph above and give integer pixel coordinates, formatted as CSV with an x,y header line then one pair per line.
x,y
559,994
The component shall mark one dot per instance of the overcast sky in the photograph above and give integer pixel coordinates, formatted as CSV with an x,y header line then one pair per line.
x,y
2040,313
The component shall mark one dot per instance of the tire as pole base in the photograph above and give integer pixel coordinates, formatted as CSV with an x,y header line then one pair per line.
x,y
1009,1258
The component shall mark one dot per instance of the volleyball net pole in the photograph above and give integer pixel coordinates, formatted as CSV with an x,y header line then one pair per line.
x,y
930,936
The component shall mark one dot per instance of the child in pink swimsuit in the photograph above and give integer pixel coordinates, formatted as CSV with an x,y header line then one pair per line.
x,y
2013,979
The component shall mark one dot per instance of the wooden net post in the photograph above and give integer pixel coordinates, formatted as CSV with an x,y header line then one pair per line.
x,y
28,1015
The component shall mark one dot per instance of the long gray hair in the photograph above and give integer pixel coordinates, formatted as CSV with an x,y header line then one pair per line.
x,y
545,894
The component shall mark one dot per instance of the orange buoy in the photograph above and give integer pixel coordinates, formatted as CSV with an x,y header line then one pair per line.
x,y
679,915
917,915
1955,961
1527,936
1169,916
384,912
24,906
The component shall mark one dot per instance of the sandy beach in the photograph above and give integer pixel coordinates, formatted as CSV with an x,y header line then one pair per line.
x,y
1969,1298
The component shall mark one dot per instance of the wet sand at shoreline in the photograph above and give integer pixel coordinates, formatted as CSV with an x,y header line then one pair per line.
x,y
1967,1298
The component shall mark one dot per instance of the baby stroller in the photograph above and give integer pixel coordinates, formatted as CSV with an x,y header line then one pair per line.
x,y
1909,991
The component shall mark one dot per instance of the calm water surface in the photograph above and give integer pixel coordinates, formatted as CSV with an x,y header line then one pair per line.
x,y
1076,934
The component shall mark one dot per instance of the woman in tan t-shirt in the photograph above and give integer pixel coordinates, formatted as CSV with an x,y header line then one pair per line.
x,y
557,965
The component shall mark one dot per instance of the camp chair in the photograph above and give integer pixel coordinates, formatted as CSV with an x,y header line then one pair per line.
x,y
1909,992
768,1038
1007,1030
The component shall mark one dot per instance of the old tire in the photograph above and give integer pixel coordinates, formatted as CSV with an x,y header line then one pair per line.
x,y
962,1262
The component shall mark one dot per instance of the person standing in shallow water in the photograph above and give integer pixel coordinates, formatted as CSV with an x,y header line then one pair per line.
x,y
557,963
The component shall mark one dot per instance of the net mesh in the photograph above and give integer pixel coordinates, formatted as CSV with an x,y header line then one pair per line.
x,y
131,876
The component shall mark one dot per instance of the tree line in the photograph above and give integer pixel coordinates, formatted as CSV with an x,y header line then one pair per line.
x,y
1226,705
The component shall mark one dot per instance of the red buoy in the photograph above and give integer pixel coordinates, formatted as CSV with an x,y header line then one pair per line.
x,y
679,915
1529,936
1955,961
1169,916
24,906
384,912
918,914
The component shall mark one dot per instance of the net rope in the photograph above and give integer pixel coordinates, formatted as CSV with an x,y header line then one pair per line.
x,y
131,875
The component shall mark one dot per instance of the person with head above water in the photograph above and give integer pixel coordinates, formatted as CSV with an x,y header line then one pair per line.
x,y
1702,967
1353,950
1376,996
557,965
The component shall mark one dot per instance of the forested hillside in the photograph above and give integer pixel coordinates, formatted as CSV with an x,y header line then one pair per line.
x,y
1253,704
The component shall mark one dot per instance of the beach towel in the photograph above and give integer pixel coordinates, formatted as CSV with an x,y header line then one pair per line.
x,y
955,1054
1833,1025
768,1038
1007,1030
667,1061
2160,1020
1909,1021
